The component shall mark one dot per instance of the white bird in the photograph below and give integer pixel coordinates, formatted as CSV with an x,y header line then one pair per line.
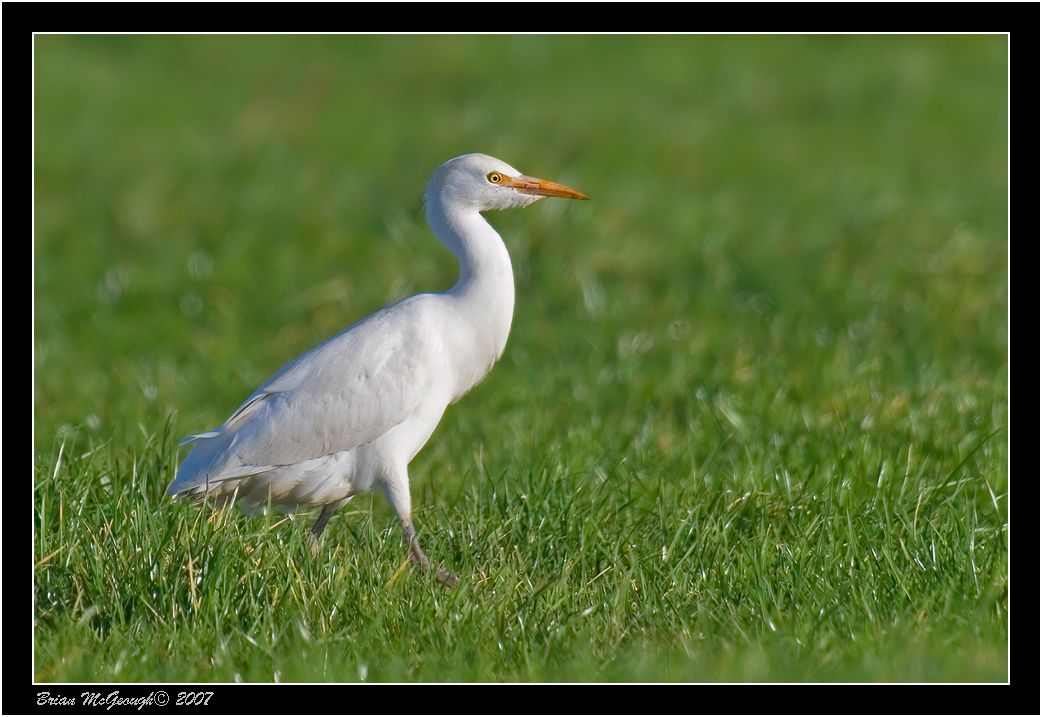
x,y
350,414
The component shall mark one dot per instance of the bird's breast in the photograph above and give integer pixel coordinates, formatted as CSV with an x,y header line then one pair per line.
x,y
479,340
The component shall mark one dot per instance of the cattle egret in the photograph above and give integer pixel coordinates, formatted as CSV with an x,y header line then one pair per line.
x,y
350,414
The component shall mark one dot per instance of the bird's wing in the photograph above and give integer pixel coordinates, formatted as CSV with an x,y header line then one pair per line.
x,y
340,395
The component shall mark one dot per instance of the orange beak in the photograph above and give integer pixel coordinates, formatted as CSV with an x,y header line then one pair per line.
x,y
531,185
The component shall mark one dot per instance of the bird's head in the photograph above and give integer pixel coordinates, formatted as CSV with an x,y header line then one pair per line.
x,y
483,183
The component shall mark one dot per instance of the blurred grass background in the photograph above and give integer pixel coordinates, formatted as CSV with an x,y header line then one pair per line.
x,y
790,286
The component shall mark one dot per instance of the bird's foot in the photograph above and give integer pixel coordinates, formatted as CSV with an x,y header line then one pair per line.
x,y
313,543
447,579
420,562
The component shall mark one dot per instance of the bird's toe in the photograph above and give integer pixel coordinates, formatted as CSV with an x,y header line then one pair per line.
x,y
419,560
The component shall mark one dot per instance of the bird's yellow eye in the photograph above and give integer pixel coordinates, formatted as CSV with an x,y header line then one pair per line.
x,y
494,177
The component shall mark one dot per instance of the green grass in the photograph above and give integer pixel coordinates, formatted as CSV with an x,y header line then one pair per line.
x,y
751,423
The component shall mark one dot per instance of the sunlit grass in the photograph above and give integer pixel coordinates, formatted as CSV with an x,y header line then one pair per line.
x,y
750,424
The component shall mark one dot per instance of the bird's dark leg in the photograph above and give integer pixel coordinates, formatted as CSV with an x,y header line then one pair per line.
x,y
316,530
419,559
398,497
416,554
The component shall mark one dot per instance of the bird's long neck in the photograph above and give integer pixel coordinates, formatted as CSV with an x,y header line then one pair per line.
x,y
485,288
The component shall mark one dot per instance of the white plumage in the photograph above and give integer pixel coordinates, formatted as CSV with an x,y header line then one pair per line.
x,y
350,414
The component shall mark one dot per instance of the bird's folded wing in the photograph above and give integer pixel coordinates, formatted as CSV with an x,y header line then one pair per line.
x,y
340,395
